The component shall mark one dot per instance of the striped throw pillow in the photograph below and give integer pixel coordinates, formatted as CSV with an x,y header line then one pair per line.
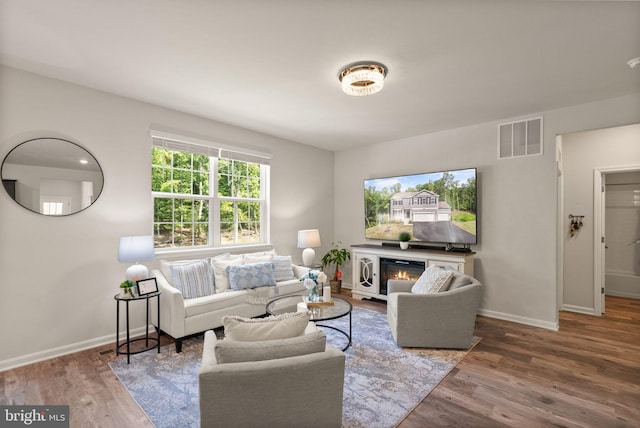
x,y
193,279
282,269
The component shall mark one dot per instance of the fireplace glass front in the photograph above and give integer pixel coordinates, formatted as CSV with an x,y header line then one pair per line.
x,y
398,269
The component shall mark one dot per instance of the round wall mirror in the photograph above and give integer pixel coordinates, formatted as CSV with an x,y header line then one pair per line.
x,y
52,176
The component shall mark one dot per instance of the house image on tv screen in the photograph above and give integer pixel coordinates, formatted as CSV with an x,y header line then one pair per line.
x,y
418,206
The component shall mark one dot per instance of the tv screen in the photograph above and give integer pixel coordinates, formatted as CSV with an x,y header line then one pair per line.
x,y
435,207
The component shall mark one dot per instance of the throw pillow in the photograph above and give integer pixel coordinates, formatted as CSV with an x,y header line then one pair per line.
x,y
232,351
165,268
282,268
253,258
250,276
193,279
269,328
220,264
432,280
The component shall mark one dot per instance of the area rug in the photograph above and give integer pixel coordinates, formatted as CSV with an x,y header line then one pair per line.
x,y
383,382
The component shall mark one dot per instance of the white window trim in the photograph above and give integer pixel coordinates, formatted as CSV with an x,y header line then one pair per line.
x,y
239,153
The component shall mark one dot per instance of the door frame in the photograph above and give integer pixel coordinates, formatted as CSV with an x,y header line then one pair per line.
x,y
599,231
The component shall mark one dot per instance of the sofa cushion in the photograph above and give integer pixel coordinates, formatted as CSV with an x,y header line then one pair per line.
x,y
282,268
432,280
251,275
193,279
253,258
268,328
220,264
214,302
233,351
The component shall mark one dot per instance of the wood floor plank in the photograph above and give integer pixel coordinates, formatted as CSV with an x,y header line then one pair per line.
x,y
587,374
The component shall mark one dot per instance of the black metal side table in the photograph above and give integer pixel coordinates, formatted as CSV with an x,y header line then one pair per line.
x,y
155,341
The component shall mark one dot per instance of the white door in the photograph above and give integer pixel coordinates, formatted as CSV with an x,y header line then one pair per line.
x,y
603,243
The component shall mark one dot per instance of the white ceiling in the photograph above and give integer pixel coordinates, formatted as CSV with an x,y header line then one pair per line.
x,y
272,65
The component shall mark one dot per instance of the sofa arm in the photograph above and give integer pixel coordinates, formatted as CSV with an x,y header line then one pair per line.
x,y
172,313
399,286
300,271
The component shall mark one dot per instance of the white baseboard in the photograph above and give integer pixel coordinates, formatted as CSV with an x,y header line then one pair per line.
x,y
23,360
621,294
578,309
520,320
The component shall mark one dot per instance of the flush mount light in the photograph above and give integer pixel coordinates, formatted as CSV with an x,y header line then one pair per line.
x,y
634,63
360,79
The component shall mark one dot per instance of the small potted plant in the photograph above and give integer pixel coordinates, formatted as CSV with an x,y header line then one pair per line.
x,y
404,238
336,256
126,289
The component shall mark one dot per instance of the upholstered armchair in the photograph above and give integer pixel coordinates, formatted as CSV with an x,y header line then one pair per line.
x,y
293,382
444,319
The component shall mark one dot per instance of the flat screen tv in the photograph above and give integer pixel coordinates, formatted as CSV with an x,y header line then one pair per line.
x,y
435,207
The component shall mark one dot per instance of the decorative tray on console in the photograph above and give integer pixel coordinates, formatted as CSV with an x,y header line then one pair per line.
x,y
317,303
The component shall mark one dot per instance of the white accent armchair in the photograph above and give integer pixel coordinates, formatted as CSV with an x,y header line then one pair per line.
x,y
441,320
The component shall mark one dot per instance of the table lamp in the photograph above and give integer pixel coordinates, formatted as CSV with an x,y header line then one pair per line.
x,y
308,239
136,249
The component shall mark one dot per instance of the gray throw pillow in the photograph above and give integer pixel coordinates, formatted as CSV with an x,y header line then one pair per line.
x,y
233,351
269,328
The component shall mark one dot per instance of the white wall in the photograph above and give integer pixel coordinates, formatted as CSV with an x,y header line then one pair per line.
x,y
58,276
582,153
516,256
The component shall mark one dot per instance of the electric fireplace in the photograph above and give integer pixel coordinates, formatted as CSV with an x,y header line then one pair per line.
x,y
398,269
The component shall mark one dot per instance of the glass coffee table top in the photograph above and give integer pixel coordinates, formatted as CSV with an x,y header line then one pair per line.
x,y
287,304
339,309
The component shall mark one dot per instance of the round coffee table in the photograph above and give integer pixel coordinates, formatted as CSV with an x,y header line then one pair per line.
x,y
339,309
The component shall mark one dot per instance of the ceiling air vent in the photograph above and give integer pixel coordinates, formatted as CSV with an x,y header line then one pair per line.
x,y
523,138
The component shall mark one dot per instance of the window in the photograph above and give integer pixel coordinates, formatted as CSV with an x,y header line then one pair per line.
x,y
207,196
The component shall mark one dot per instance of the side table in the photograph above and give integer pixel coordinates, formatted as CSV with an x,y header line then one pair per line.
x,y
155,341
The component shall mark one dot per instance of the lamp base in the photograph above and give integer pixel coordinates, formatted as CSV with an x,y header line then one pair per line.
x,y
308,254
137,272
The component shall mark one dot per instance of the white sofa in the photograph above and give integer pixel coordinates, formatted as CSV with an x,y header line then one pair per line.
x,y
181,317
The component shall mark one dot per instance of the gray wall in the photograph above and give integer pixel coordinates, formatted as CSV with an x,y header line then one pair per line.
x,y
58,276
516,257
583,152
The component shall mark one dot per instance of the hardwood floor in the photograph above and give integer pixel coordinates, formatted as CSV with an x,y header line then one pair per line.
x,y
585,375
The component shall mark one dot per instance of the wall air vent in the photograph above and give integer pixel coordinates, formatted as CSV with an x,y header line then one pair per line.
x,y
522,138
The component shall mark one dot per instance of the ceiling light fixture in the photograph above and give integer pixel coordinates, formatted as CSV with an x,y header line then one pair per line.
x,y
634,63
363,78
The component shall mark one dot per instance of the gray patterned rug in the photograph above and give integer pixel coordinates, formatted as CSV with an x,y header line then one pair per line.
x,y
383,382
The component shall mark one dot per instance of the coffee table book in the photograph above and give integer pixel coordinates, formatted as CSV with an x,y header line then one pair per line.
x,y
318,303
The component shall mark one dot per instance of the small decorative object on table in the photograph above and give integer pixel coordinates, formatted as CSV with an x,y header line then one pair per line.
x,y
404,238
147,286
127,289
337,255
311,281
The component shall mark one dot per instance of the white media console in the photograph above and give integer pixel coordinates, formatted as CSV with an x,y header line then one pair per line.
x,y
373,265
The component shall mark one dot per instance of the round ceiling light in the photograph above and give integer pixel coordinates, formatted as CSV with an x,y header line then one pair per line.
x,y
362,79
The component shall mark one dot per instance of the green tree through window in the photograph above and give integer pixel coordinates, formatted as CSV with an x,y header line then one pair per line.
x,y
187,213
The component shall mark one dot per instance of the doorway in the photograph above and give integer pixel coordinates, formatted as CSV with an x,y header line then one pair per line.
x,y
617,234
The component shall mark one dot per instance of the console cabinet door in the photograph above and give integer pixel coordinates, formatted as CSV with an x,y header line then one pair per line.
x,y
366,273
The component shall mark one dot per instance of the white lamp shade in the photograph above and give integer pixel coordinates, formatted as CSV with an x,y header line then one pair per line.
x,y
136,249
309,238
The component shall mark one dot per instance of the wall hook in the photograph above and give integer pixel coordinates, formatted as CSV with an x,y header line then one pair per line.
x,y
575,224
